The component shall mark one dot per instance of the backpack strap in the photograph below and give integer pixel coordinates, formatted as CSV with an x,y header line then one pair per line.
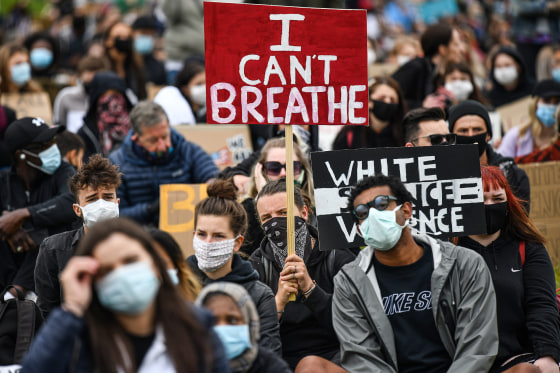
x,y
522,252
25,328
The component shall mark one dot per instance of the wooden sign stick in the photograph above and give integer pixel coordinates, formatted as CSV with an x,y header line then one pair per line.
x,y
290,193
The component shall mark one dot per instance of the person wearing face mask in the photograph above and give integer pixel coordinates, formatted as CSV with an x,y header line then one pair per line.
x,y
15,70
510,82
94,189
122,313
410,302
145,36
44,54
237,325
541,130
153,154
523,277
306,324
34,198
220,223
470,121
386,111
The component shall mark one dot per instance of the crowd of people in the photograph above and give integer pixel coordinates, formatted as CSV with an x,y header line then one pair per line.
x,y
80,199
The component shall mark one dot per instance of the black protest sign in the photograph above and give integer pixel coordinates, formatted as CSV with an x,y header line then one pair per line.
x,y
444,182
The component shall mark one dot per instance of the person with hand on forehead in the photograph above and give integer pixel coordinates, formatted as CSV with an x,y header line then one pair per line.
x,y
409,302
34,197
427,127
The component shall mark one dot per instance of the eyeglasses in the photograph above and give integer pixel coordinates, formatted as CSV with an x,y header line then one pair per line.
x,y
275,168
379,203
437,139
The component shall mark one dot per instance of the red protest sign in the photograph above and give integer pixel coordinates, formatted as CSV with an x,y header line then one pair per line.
x,y
269,65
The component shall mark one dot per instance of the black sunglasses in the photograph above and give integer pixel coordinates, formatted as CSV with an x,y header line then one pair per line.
x,y
437,139
379,203
275,168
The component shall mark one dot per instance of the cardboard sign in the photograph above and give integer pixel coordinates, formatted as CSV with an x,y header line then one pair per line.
x,y
545,203
515,113
227,145
176,211
270,65
444,182
29,105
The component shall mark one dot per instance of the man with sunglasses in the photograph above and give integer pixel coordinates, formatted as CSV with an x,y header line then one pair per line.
x,y
427,127
35,199
410,302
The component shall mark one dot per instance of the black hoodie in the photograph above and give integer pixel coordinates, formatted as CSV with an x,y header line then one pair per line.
x,y
498,95
242,273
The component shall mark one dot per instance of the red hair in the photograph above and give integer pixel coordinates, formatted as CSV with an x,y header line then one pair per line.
x,y
518,224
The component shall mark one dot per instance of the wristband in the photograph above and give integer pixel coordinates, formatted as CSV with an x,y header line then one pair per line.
x,y
306,293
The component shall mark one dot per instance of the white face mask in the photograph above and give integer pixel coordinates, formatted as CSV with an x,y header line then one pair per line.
x,y
98,211
461,89
401,60
506,75
212,256
371,56
198,94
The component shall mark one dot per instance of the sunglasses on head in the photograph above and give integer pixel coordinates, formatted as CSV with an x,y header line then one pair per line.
x,y
437,139
275,168
379,203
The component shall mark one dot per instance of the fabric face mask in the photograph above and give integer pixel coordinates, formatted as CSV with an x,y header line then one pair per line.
x,y
276,232
556,74
235,339
384,111
479,140
496,216
461,89
123,45
401,60
380,229
144,44
98,211
547,114
173,275
41,58
50,159
506,75
198,94
212,256
129,289
20,74
371,56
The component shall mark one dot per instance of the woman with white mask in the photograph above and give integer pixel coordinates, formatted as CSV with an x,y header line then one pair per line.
x,y
220,223
458,79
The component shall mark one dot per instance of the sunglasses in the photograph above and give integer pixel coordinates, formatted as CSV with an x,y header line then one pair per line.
x,y
437,139
379,203
275,168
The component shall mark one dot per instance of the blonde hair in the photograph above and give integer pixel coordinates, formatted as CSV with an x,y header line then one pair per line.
x,y
533,122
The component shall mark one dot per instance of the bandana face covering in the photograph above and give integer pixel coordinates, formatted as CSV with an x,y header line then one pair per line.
x,y
276,232
112,121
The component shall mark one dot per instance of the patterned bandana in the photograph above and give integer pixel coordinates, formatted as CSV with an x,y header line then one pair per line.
x,y
113,121
276,231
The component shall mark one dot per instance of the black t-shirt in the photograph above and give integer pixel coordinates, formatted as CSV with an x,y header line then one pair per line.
x,y
140,346
407,300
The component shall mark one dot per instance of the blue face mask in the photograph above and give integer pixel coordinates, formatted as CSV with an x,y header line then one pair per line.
x,y
380,229
556,74
144,44
41,58
129,289
235,339
20,74
547,114
50,159
173,275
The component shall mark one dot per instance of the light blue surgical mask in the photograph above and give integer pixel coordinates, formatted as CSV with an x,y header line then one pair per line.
x,y
129,289
235,339
547,114
41,58
173,274
380,229
556,73
20,74
50,159
144,44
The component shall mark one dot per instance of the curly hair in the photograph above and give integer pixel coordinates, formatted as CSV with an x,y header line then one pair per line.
x,y
97,172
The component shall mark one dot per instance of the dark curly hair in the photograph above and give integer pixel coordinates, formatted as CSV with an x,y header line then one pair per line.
x,y
97,172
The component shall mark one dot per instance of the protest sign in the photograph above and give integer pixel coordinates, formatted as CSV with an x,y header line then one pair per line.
x,y
227,145
515,113
29,105
545,203
278,65
444,182
176,211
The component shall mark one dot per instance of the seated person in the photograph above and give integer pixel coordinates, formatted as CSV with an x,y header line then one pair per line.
x,y
71,148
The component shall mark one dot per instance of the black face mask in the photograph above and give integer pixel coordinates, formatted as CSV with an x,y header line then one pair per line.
x,y
276,232
384,111
123,45
479,140
496,216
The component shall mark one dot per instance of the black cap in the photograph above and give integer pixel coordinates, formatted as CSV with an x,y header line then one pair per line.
x,y
469,107
27,131
547,88
144,23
